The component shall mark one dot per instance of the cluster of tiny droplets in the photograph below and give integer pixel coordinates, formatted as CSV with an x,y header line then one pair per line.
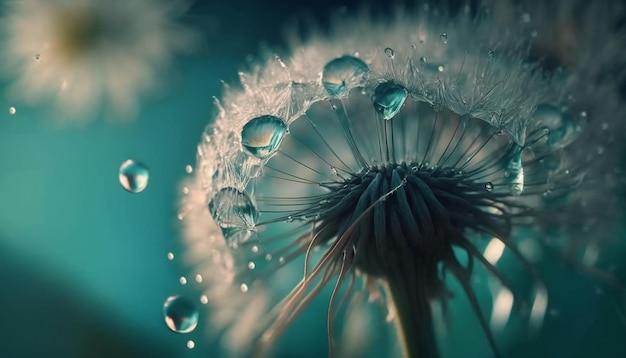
x,y
394,165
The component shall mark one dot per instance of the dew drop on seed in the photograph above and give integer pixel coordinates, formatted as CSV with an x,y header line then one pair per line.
x,y
515,172
134,176
262,135
562,126
233,210
388,98
390,53
180,314
344,73
444,37
488,186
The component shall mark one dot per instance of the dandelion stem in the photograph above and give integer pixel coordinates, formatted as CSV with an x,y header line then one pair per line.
x,y
413,318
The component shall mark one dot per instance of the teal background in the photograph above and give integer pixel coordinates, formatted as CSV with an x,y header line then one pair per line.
x,y
83,267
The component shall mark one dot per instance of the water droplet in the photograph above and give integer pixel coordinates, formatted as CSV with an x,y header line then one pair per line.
x,y
441,68
185,190
180,314
262,136
255,249
204,299
37,56
388,98
243,288
251,265
189,169
444,37
134,176
423,60
525,17
12,110
333,170
281,260
515,171
183,280
198,278
191,344
344,73
268,257
170,256
563,127
488,186
389,52
233,211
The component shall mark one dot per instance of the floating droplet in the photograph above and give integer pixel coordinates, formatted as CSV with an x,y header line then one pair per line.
x,y
515,171
191,344
488,186
444,37
204,299
134,176
189,169
170,256
183,280
12,110
180,314
563,128
233,210
251,265
262,136
243,288
344,73
198,278
388,98
389,52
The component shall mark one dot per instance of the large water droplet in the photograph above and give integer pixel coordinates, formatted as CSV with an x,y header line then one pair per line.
x,y
180,314
344,73
515,171
233,210
262,135
563,127
134,176
388,98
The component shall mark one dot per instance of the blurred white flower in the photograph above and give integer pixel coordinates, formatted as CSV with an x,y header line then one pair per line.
x,y
85,54
378,159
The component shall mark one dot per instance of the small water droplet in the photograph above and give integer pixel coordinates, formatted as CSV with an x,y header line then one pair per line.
x,y
344,73
189,169
204,299
198,278
488,186
170,256
133,176
441,68
251,265
233,211
268,257
333,170
423,60
281,260
525,17
289,219
190,344
37,56
262,136
243,288
390,53
515,172
444,37
180,314
12,110
388,99
182,280
255,249
185,190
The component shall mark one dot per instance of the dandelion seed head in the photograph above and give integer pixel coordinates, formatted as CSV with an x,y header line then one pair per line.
x,y
80,54
381,158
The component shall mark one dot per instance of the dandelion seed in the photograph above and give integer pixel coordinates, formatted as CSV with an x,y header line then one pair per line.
x,y
88,52
383,170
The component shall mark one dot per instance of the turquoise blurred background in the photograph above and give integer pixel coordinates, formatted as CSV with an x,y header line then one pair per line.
x,y
83,265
